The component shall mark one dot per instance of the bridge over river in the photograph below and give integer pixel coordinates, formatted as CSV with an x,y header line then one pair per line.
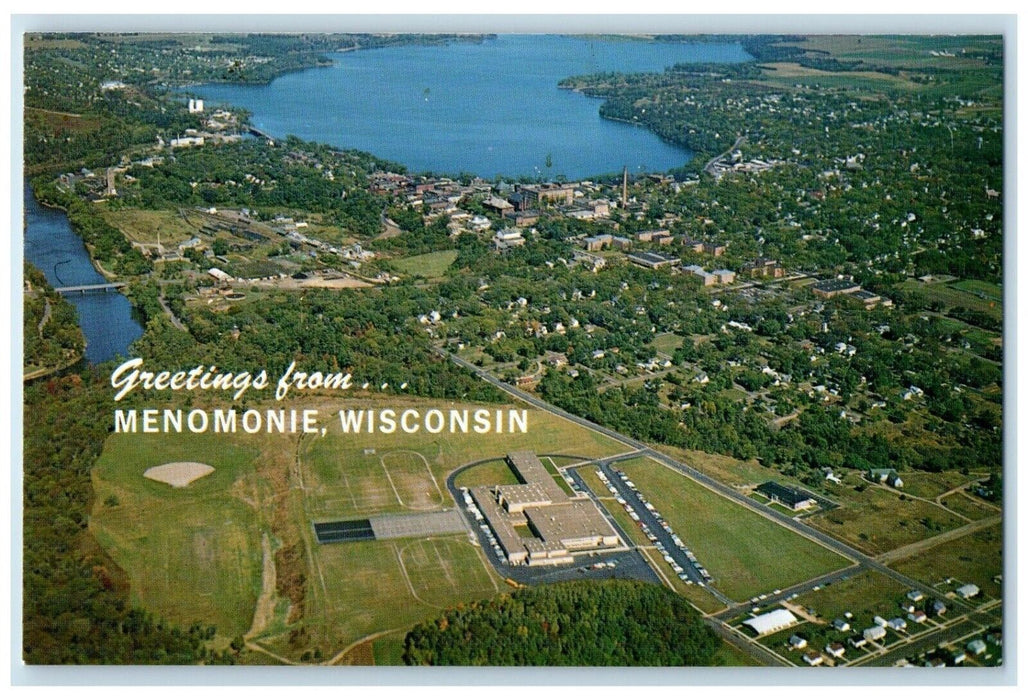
x,y
84,288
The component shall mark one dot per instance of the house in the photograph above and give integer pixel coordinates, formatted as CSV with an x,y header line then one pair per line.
x,y
917,616
508,238
976,647
797,642
835,650
885,476
898,623
959,658
841,625
814,658
873,634
938,608
915,595
858,642
968,590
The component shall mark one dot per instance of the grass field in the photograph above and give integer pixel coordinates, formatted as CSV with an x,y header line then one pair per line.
x,y
976,559
967,506
143,226
876,520
746,553
980,288
429,265
489,473
438,566
667,343
865,594
345,476
931,485
195,553
950,296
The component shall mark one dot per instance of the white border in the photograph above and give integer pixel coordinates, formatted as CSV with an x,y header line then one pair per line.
x,y
488,21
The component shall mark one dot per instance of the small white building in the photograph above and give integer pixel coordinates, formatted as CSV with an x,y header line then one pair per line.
x,y
814,658
835,650
968,590
873,634
976,647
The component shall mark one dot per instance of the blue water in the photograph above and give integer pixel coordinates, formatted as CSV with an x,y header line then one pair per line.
x,y
490,109
51,245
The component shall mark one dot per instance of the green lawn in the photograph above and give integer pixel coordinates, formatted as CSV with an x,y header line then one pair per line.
x,y
195,554
745,552
667,343
490,473
979,287
429,265
192,553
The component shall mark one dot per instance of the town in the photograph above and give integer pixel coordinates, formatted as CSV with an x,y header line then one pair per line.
x,y
770,381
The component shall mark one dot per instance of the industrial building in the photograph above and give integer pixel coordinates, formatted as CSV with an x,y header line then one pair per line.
x,y
831,288
536,522
653,260
795,499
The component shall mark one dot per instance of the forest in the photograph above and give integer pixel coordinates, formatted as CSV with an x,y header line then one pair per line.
x,y
581,623
75,598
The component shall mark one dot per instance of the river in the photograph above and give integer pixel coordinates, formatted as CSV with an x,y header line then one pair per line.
x,y
106,318
490,108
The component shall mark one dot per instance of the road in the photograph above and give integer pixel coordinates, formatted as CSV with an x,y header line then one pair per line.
x,y
841,548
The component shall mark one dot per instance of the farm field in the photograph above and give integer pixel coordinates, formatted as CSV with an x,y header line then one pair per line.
x,y
746,553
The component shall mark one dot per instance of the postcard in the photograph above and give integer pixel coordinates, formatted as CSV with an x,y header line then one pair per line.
x,y
670,349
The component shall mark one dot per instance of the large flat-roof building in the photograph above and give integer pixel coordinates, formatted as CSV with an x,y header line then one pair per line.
x,y
653,260
796,499
558,525
832,288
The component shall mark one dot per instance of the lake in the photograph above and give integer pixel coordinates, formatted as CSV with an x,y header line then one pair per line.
x,y
490,108
51,245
